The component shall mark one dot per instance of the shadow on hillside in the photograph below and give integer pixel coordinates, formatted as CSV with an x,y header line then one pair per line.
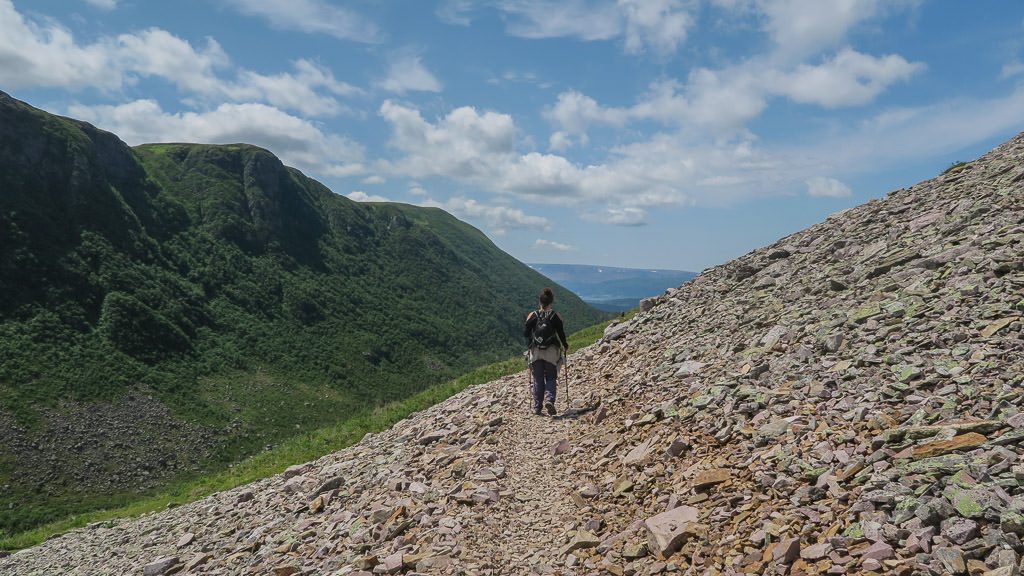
x,y
574,413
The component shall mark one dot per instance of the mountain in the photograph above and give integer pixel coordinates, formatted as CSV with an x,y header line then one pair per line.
x,y
845,401
613,289
170,308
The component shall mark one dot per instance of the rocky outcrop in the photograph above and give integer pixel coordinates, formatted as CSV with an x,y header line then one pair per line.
x,y
846,401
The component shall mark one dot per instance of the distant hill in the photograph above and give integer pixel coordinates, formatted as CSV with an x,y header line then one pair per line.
x,y
170,308
613,289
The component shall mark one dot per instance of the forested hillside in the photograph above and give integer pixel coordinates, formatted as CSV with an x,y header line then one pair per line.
x,y
172,307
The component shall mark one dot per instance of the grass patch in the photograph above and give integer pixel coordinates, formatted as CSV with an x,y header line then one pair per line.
x,y
295,450
955,167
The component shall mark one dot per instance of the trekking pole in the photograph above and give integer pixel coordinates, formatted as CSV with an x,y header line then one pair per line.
x,y
567,397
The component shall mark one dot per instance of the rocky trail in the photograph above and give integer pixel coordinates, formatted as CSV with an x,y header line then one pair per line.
x,y
847,400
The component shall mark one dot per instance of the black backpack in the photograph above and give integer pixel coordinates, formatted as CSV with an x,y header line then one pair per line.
x,y
544,332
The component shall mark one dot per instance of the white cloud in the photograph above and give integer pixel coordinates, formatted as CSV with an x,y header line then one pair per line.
x,y
296,141
822,187
661,23
296,91
103,4
417,190
47,55
803,27
479,149
360,196
375,179
542,244
641,24
456,12
463,145
848,79
723,101
559,141
311,16
619,216
156,52
408,73
1011,69
499,219
900,135
563,18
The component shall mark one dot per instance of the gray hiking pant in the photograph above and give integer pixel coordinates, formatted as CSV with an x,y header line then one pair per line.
x,y
545,380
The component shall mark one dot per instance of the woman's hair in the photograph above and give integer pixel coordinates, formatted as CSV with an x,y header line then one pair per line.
x,y
546,297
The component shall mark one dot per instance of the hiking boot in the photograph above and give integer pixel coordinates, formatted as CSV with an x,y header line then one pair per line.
x,y
536,411
550,407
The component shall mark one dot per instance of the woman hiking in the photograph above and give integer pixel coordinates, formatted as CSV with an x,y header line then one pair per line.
x,y
546,336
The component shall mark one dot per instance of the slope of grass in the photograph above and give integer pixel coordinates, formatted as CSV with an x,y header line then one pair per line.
x,y
292,451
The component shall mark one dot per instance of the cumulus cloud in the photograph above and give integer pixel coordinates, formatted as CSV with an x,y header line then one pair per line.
x,y
499,219
103,4
802,27
559,141
724,101
297,91
848,79
822,187
47,55
406,74
296,141
311,16
360,196
1011,69
660,25
619,216
463,145
374,179
542,244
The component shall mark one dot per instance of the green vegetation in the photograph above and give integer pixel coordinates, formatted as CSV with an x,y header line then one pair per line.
x,y
955,167
245,297
295,450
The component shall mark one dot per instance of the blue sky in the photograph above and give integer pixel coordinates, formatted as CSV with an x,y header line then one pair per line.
x,y
637,133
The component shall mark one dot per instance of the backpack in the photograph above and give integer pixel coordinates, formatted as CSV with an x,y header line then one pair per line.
x,y
544,332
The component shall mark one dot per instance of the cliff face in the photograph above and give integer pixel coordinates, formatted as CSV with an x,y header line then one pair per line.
x,y
191,287
845,401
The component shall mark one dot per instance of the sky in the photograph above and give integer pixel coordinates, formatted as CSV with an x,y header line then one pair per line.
x,y
670,134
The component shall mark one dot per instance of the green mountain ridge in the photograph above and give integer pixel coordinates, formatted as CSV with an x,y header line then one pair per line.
x,y
211,290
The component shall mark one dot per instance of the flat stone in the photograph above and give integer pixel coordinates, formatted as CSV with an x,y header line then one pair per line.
x,y
431,437
688,368
160,566
1012,521
993,328
879,551
391,564
959,530
639,454
677,447
582,539
707,478
668,531
961,442
786,551
951,559
816,552
186,539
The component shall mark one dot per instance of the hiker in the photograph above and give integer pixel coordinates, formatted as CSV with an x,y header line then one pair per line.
x,y
546,336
